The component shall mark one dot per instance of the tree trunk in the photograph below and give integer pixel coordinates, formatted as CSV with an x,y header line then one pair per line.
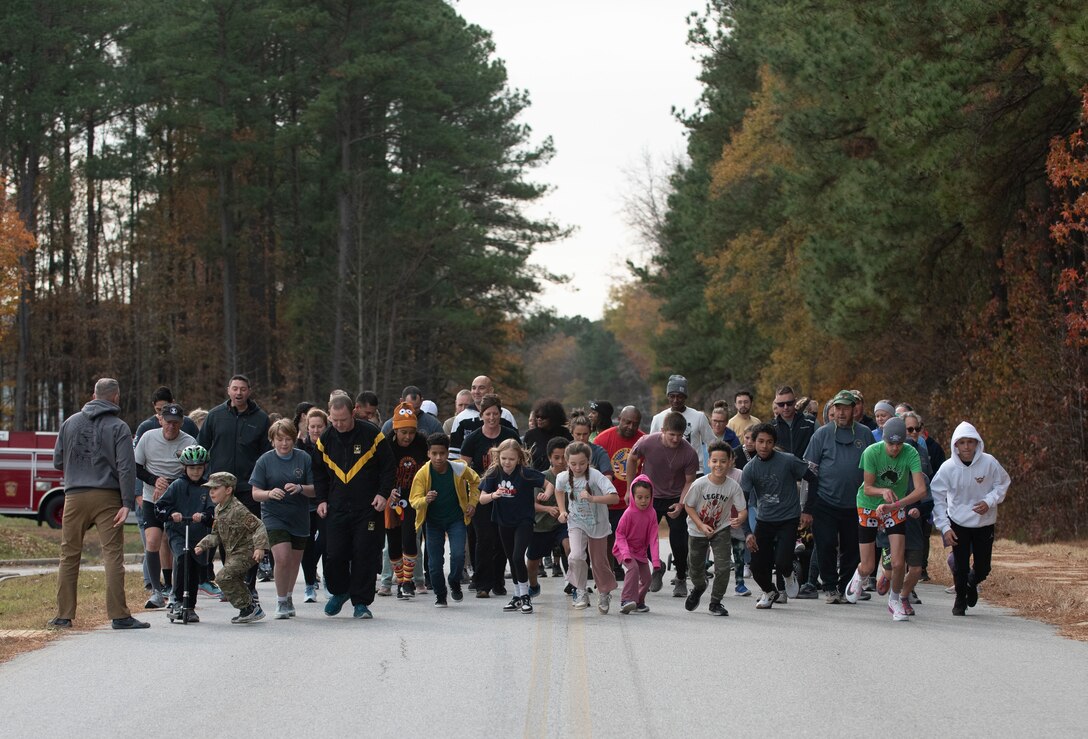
x,y
343,244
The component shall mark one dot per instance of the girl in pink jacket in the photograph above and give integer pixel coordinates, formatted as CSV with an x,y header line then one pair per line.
x,y
636,543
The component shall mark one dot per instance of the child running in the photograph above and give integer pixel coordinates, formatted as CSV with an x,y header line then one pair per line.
x,y
548,533
710,503
243,536
583,495
966,492
511,483
636,534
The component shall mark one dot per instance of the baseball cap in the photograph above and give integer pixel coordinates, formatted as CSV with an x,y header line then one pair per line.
x,y
172,412
895,431
844,397
429,406
221,480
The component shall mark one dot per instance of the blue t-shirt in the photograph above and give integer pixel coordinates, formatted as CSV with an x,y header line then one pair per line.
x,y
292,514
518,490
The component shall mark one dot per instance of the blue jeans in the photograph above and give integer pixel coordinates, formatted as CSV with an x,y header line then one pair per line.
x,y
436,553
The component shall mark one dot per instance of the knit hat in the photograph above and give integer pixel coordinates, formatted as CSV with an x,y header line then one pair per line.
x,y
894,431
404,417
677,384
886,407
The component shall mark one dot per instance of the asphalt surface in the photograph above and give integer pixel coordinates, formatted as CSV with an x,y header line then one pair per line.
x,y
807,669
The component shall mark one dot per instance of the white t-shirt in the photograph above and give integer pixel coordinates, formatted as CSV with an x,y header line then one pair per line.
x,y
713,503
160,457
698,434
590,517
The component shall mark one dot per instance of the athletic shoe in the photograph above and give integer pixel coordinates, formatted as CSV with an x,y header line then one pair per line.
x,y
569,590
422,588
692,601
156,600
534,591
783,599
853,588
833,597
625,607
972,591
808,591
747,572
581,600
680,589
59,623
334,604
865,596
959,608
499,590
401,595
604,600
385,590
914,598
513,605
542,572
128,622
792,588
716,608
361,611
456,592
907,609
311,594
526,604
440,602
870,584
290,606
741,590
193,618
210,588
483,593
642,608
655,579
883,584
768,599
281,611
898,614
248,615
409,589
951,589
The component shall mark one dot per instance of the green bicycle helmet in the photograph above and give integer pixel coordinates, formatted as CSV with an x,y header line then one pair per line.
x,y
193,455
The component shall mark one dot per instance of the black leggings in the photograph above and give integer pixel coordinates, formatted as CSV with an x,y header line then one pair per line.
x,y
402,539
315,548
490,561
515,540
678,534
775,541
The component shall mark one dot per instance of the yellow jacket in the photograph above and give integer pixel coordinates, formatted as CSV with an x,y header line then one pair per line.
x,y
465,481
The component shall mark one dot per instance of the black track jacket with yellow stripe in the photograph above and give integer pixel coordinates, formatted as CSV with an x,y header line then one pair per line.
x,y
351,468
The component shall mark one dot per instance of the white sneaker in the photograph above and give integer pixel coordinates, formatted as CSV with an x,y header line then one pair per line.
x,y
603,601
767,600
747,572
290,606
581,600
792,587
853,588
281,610
898,614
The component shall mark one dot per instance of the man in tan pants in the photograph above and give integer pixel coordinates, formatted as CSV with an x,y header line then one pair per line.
x,y
94,450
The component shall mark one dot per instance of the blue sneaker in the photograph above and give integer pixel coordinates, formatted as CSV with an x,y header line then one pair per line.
x,y
741,589
334,604
534,591
362,611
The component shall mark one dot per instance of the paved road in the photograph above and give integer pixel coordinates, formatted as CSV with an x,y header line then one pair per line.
x,y
804,669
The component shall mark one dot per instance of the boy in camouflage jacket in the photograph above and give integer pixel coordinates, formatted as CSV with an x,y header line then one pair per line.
x,y
243,536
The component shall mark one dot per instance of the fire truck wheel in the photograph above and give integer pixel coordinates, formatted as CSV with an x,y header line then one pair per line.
x,y
54,511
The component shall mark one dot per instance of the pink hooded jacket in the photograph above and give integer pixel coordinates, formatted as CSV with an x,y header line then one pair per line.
x,y
636,533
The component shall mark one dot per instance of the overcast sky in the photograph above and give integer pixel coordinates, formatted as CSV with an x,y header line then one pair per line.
x,y
602,76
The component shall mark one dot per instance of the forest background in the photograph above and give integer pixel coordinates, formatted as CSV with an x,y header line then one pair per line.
x,y
333,193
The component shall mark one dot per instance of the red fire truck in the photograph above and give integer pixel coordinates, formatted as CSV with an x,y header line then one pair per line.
x,y
29,484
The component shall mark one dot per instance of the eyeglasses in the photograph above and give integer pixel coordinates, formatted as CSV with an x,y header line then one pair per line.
x,y
785,403
914,429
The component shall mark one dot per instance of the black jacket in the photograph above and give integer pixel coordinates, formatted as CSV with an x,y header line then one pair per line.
x,y
235,440
794,439
351,468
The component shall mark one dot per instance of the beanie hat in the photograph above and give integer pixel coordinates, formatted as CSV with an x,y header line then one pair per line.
x,y
677,384
894,431
404,417
886,407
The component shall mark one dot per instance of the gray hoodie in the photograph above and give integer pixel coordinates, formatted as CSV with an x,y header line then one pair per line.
x,y
94,450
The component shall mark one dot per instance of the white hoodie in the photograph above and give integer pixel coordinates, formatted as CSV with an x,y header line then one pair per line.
x,y
958,487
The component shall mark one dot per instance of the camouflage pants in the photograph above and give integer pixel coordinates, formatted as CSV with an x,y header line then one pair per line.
x,y
232,580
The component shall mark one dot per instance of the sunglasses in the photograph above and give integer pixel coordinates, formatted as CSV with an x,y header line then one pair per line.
x,y
913,429
785,403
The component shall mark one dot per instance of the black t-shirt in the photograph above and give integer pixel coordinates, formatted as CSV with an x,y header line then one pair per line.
x,y
477,446
536,441
518,491
408,460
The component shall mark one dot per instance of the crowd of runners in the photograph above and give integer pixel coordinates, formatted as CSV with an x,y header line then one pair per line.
x,y
816,502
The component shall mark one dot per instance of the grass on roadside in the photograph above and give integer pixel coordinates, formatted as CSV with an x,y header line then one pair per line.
x,y
27,603
22,538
